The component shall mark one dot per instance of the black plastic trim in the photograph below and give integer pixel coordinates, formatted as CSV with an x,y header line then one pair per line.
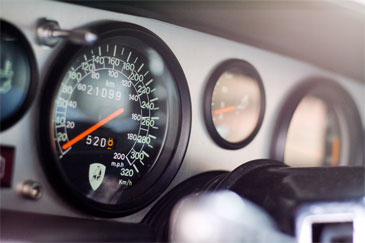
x,y
159,216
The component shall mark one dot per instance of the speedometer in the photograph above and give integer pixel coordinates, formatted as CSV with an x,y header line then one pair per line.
x,y
118,122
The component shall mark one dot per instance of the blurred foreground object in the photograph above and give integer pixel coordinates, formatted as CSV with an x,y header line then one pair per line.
x,y
222,217
265,201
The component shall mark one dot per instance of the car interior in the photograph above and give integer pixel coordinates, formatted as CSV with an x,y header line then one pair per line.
x,y
182,121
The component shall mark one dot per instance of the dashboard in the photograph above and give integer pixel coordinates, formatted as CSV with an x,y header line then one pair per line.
x,y
114,105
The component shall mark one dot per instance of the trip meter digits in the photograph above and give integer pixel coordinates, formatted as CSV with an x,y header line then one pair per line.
x,y
115,127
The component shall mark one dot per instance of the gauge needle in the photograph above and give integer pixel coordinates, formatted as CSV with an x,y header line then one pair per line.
x,y
224,110
92,128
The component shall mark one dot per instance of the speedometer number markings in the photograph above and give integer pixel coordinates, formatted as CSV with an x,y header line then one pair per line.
x,y
115,118
115,80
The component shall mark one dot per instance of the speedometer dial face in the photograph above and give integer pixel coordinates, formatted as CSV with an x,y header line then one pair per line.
x,y
116,118
110,108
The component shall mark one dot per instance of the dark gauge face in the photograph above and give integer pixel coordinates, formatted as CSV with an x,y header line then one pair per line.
x,y
318,125
235,101
110,114
116,118
17,74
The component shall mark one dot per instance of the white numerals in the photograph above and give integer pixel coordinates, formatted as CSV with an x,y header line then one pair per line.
x,y
126,172
113,61
148,122
139,138
126,83
101,92
61,137
119,156
128,66
113,74
143,90
147,105
136,77
96,141
137,155
88,67
70,124
133,97
74,75
98,60
60,102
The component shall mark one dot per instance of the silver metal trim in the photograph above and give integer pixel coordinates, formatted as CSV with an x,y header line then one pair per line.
x,y
49,33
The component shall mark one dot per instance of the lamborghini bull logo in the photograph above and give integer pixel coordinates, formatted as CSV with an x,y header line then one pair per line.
x,y
96,175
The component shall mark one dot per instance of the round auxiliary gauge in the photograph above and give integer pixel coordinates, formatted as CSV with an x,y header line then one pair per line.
x,y
234,104
18,75
115,120
319,125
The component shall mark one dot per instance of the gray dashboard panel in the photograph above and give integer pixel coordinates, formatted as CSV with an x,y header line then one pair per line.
x,y
198,54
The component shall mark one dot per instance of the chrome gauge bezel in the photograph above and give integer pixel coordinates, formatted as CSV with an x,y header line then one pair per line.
x,y
246,69
171,156
347,115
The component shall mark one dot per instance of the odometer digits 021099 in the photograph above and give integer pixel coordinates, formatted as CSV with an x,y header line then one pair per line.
x,y
115,126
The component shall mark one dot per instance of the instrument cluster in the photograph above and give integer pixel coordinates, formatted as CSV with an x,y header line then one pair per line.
x,y
123,110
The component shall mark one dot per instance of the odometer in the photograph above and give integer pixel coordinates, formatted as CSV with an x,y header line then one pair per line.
x,y
114,126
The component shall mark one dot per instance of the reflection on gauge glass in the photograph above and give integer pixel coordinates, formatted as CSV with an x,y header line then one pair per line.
x,y
115,119
17,74
318,125
236,104
313,137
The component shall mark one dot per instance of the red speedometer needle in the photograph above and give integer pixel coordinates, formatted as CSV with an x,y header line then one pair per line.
x,y
224,110
92,128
